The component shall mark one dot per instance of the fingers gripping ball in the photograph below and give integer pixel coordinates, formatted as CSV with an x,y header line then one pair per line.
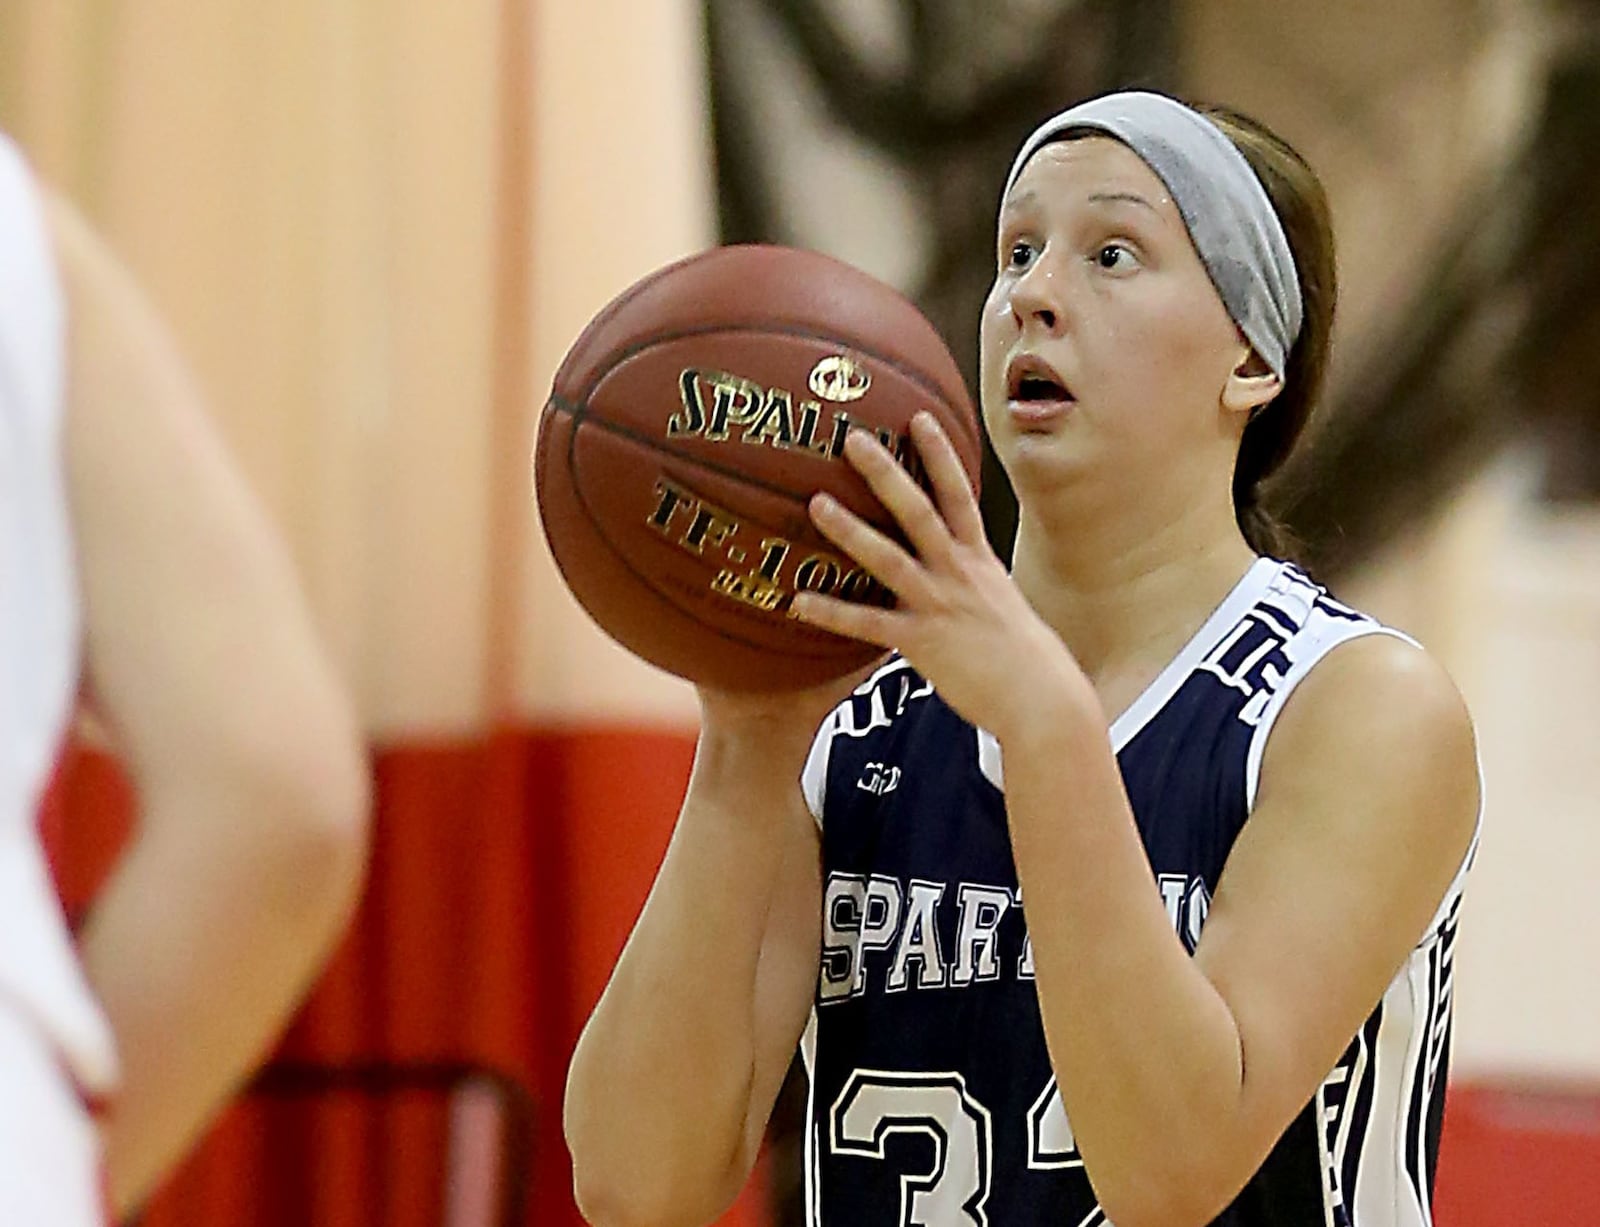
x,y
688,427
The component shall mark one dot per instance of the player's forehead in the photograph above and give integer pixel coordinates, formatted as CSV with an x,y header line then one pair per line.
x,y
1088,171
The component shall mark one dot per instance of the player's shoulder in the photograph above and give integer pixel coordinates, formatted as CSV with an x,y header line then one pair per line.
x,y
1354,667
1380,718
1387,682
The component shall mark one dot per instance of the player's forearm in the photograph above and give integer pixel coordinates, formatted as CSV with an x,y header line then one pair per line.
x,y
215,924
1145,1049
662,1084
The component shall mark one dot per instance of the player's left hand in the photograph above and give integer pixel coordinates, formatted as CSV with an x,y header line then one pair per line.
x,y
960,620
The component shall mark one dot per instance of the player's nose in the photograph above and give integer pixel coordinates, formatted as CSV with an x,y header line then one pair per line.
x,y
1036,297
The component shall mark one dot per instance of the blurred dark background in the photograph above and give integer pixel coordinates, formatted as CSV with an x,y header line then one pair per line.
x,y
1490,336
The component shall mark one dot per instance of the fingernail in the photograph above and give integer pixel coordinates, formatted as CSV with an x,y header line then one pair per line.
x,y
864,438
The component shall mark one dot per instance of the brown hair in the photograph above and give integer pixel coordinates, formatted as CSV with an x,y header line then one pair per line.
x,y
1302,207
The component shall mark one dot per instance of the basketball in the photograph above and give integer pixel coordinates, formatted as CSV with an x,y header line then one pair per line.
x,y
687,429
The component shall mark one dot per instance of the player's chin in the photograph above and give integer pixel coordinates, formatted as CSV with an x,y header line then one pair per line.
x,y
1032,457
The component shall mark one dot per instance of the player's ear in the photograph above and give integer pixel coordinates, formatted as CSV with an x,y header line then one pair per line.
x,y
1251,385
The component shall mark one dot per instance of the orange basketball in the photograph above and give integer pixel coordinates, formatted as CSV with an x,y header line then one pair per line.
x,y
687,429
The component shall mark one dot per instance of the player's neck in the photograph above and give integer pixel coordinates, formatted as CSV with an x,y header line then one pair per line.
x,y
1126,601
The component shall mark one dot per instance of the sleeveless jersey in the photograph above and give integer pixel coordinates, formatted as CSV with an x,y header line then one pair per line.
x,y
39,627
932,1096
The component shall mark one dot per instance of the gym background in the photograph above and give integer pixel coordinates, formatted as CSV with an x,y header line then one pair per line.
x,y
376,227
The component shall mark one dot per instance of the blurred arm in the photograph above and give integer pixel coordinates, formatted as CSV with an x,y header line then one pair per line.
x,y
203,665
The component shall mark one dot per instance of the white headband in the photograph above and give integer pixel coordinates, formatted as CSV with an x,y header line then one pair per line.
x,y
1230,217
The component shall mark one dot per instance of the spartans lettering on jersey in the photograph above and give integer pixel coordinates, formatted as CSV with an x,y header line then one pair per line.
x,y
886,933
719,407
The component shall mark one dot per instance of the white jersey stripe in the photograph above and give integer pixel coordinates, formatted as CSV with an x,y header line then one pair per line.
x,y
1234,606
812,1176
1325,1158
1384,1195
1419,1123
1357,1106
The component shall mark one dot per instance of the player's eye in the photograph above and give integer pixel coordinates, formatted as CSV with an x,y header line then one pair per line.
x,y
1115,257
1022,255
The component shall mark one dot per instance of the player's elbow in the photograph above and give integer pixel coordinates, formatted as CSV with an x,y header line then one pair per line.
x,y
319,828
624,1179
613,1196
1144,1209
1156,1198
290,808
612,1204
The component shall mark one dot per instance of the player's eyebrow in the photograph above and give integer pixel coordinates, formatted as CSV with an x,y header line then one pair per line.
x,y
1121,198
1025,199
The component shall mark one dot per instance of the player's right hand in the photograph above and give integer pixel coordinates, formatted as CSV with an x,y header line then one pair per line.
x,y
778,727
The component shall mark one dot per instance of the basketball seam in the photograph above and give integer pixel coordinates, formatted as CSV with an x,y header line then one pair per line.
x,y
579,418
648,584
763,327
612,308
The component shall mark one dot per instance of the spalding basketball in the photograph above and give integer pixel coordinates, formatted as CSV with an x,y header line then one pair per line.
x,y
689,426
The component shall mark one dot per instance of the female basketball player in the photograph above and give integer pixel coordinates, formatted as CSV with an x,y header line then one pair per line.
x,y
120,515
1192,970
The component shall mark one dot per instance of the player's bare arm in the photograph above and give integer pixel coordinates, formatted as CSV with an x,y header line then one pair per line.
x,y
204,667
680,1064
1367,807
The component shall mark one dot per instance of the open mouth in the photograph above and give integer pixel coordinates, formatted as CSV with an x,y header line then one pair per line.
x,y
1031,380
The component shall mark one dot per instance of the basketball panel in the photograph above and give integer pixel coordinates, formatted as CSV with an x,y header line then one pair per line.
x,y
764,287
733,649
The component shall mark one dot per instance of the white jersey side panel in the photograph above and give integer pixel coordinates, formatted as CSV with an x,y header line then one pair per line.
x,y
39,628
1374,1154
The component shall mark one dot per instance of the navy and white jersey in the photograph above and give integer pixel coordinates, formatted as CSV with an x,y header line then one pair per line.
x,y
932,1096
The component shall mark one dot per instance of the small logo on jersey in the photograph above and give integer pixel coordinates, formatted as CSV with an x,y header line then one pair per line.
x,y
840,379
878,779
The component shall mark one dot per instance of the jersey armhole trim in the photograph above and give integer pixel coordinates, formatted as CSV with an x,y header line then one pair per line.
x,y
814,775
1269,717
